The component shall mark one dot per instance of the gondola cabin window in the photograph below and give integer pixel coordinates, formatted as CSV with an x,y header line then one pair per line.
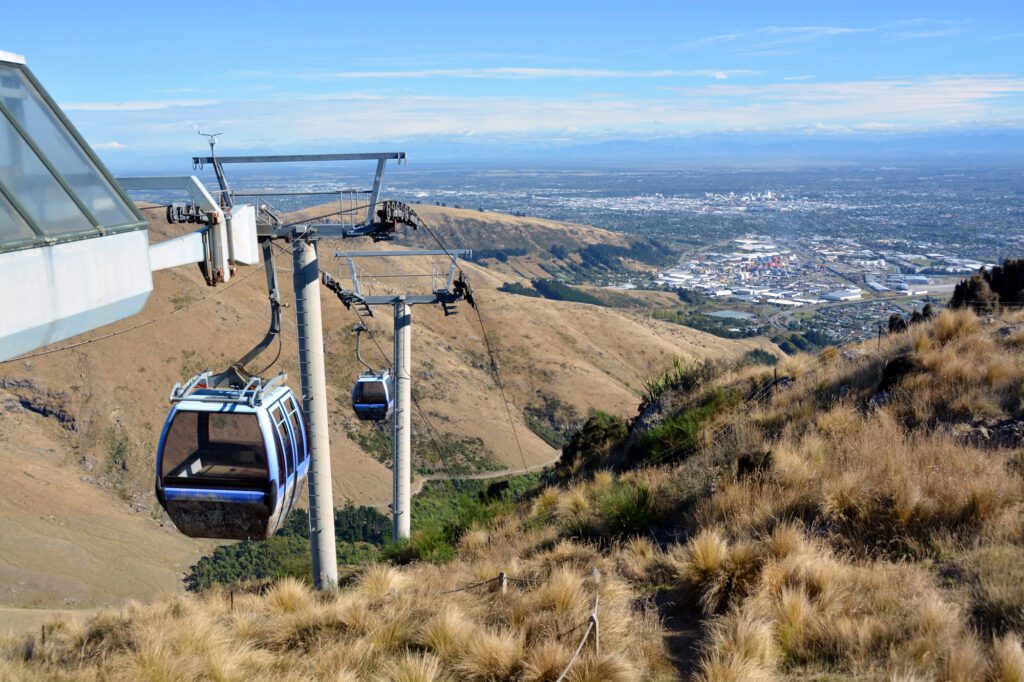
x,y
297,427
286,439
222,448
372,392
282,456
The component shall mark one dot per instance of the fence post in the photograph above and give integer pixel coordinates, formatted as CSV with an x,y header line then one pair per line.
x,y
503,582
597,634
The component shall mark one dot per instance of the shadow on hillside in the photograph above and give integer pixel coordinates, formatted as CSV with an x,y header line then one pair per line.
x,y
683,633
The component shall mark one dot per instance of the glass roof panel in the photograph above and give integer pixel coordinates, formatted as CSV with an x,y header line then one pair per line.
x,y
25,177
12,227
26,105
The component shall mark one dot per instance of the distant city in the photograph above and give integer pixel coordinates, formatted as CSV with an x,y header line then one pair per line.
x,y
831,251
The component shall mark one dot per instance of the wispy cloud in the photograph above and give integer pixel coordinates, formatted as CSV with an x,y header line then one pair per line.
x,y
177,91
924,29
777,41
911,103
138,105
768,36
797,78
919,35
108,146
805,34
511,73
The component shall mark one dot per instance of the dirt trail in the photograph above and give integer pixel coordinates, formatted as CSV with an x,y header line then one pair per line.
x,y
417,484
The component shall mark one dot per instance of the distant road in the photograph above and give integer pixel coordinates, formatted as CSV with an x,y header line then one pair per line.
x,y
14,621
417,485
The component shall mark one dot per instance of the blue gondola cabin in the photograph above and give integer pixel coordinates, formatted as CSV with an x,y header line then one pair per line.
x,y
373,396
231,461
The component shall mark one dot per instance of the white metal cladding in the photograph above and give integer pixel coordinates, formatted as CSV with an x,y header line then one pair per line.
x,y
181,250
53,293
245,248
74,252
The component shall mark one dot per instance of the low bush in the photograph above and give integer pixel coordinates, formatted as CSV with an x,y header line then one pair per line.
x,y
677,436
625,509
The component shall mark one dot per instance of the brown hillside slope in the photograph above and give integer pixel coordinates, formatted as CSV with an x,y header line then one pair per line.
x,y
469,229
105,403
856,517
489,230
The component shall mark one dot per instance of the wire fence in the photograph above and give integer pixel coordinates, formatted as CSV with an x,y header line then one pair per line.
x,y
593,627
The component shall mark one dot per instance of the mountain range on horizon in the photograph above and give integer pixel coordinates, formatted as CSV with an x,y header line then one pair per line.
x,y
785,149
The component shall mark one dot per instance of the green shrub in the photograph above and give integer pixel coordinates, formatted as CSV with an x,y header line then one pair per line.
x,y
558,291
520,289
676,437
592,446
626,509
679,376
553,420
759,356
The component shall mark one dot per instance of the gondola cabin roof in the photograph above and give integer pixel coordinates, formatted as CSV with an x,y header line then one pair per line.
x,y
205,389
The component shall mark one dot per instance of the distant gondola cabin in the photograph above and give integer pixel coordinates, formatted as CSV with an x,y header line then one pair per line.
x,y
373,396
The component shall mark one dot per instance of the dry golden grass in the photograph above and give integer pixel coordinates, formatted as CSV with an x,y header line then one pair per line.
x,y
890,492
814,611
951,324
1007,659
389,624
871,541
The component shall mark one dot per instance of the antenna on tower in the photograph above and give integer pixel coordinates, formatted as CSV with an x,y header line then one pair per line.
x,y
226,200
211,138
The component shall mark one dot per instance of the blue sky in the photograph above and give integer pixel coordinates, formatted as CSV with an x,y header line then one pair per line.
x,y
139,77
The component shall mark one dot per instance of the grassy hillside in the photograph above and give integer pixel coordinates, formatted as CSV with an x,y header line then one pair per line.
x,y
857,518
523,248
80,427
852,515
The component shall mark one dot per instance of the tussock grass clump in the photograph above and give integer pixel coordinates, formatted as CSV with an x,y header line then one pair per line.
x,y
997,588
389,623
546,662
812,610
605,507
872,485
1007,659
952,324
415,668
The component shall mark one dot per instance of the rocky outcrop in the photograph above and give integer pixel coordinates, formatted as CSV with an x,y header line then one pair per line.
x,y
990,432
46,402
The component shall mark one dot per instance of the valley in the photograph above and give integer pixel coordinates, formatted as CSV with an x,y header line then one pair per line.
x,y
80,427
